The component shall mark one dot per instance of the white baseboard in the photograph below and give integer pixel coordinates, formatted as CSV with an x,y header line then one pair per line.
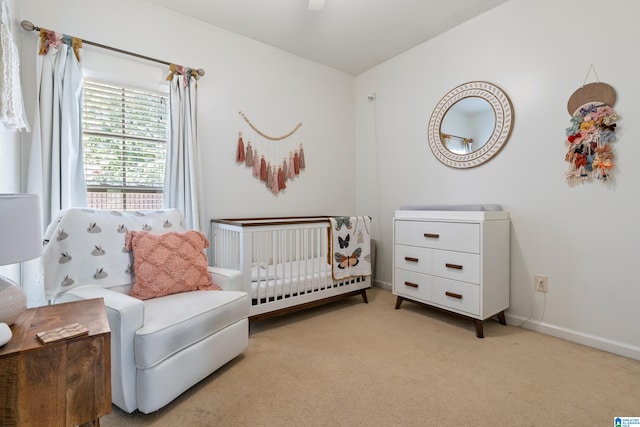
x,y
615,347
383,285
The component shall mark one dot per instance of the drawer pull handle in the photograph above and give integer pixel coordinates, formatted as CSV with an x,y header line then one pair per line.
x,y
431,235
412,285
453,295
411,259
454,266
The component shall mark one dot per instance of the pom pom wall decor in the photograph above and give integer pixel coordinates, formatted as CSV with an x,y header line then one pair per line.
x,y
262,155
592,130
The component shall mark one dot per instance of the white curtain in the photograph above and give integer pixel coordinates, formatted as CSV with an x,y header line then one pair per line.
x,y
182,173
56,170
56,167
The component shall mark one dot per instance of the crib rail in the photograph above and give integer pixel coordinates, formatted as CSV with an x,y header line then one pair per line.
x,y
270,240
284,261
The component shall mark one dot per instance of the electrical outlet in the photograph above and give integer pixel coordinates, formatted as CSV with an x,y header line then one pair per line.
x,y
540,283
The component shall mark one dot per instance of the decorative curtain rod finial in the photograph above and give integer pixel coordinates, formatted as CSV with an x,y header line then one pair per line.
x,y
28,26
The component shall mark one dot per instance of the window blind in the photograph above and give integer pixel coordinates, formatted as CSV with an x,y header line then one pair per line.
x,y
124,141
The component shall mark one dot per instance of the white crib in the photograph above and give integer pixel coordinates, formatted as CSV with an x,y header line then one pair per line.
x,y
285,262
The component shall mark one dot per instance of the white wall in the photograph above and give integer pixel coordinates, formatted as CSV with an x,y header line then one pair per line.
x,y
585,238
274,89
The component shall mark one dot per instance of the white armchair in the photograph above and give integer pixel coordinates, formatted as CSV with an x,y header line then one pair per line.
x,y
160,347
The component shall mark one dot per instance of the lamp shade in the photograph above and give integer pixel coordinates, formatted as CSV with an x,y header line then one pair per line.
x,y
20,240
20,228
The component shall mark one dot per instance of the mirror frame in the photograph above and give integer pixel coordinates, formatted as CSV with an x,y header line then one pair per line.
x,y
502,109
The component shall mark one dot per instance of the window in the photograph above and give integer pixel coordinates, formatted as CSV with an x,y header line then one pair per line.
x,y
124,141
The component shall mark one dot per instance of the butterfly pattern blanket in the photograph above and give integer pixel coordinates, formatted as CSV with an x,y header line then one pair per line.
x,y
350,246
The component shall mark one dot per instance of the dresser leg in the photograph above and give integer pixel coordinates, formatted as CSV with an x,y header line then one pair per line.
x,y
479,329
398,302
501,318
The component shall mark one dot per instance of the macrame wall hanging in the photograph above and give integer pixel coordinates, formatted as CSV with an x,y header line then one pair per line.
x,y
591,132
274,160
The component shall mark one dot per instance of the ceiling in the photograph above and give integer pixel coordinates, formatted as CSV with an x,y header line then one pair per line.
x,y
349,35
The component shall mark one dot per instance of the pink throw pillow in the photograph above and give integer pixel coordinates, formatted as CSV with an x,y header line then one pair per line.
x,y
169,263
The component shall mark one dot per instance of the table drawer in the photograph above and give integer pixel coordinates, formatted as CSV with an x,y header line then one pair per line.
x,y
457,236
456,265
412,285
413,258
459,296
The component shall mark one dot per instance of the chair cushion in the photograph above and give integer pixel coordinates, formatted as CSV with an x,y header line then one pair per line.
x,y
174,322
168,263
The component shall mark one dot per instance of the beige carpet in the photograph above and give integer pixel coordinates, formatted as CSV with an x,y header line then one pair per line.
x,y
350,363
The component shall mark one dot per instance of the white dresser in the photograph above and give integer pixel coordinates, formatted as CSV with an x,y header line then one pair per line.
x,y
454,260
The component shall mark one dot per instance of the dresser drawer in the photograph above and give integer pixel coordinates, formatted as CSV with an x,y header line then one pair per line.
x,y
412,285
459,296
457,236
413,258
456,265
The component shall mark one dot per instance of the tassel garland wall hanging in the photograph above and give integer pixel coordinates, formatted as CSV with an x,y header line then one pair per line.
x,y
591,132
261,154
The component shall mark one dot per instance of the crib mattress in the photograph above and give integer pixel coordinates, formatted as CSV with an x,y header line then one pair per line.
x,y
290,278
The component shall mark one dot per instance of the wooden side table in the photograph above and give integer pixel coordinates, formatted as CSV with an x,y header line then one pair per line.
x,y
65,383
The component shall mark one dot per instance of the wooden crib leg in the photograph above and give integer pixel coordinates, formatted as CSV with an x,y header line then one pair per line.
x,y
363,292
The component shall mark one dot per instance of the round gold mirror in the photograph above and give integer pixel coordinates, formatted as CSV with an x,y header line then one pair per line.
x,y
470,124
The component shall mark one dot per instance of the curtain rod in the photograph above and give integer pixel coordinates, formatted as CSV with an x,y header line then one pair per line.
x,y
28,26
448,135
